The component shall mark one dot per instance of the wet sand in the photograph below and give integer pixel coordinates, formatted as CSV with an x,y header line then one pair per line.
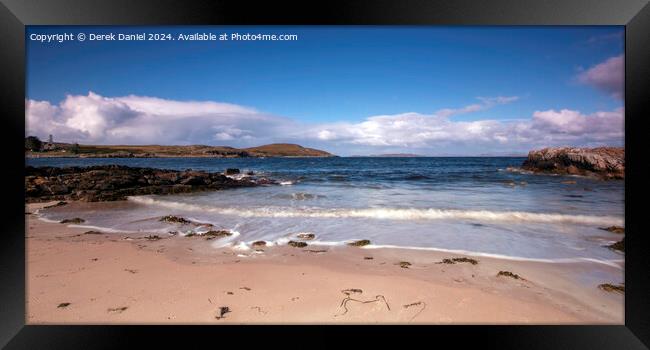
x,y
113,278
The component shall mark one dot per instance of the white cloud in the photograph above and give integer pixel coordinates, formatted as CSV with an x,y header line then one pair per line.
x,y
147,120
487,102
607,76
545,128
95,119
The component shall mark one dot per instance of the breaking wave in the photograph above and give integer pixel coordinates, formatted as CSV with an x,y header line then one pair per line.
x,y
391,213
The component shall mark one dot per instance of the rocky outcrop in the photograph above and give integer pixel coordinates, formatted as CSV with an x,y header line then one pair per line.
x,y
115,182
603,162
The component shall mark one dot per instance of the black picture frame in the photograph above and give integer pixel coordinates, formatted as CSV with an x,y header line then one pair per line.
x,y
633,14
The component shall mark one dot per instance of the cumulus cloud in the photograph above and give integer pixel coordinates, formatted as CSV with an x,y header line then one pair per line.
x,y
545,128
95,119
607,76
147,120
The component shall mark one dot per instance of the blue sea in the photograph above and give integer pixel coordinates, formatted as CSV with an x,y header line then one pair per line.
x,y
467,205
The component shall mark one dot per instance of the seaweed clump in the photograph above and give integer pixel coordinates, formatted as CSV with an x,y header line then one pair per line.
x,y
614,229
297,244
175,219
73,221
510,274
306,236
459,260
223,310
359,243
620,245
608,287
404,264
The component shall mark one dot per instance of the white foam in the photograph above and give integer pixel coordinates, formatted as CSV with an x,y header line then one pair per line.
x,y
394,213
241,246
227,241
612,263
104,229
44,219
286,183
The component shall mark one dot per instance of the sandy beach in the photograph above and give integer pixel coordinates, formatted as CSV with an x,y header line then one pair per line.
x,y
78,278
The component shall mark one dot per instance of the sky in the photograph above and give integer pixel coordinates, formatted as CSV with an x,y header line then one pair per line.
x,y
349,90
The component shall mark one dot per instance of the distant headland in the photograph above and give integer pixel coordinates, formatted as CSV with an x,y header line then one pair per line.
x,y
35,148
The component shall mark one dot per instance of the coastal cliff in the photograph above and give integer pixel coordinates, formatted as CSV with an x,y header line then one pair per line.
x,y
603,162
114,182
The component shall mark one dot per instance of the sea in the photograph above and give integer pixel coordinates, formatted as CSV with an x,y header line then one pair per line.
x,y
471,205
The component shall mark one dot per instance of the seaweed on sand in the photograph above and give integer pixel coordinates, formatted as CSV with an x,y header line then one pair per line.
x,y
417,303
614,229
348,298
118,309
222,311
458,260
510,274
404,264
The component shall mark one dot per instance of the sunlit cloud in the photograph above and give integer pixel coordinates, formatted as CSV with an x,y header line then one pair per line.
x,y
607,76
95,119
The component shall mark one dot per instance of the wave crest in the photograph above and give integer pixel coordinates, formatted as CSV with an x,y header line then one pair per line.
x,y
391,213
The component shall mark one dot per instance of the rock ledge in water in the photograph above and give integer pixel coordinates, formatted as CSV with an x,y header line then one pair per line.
x,y
604,162
116,182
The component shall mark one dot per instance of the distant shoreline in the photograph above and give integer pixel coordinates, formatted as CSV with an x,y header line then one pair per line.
x,y
35,148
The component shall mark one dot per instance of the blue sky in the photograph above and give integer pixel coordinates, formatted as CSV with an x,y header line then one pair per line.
x,y
330,87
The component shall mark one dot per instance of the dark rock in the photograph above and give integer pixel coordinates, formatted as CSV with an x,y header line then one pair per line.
x,y
603,162
58,204
218,233
175,219
404,264
359,243
297,244
193,181
259,244
231,171
620,245
608,287
306,236
265,181
93,233
116,182
614,229
73,221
